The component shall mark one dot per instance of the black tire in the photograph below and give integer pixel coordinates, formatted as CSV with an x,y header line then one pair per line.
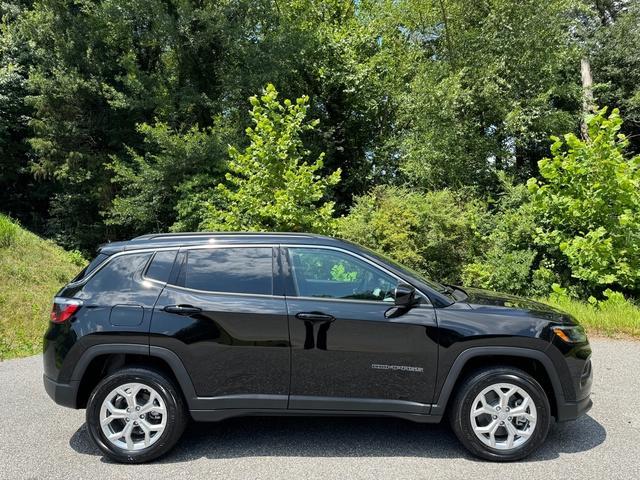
x,y
177,417
475,383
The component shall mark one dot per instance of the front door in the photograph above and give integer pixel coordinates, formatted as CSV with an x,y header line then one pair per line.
x,y
221,316
345,354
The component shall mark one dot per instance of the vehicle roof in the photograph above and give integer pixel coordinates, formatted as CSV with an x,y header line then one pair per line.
x,y
159,240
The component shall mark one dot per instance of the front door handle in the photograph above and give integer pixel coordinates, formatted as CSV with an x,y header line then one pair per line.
x,y
315,317
182,309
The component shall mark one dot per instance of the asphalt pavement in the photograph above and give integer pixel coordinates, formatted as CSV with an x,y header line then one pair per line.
x,y
39,439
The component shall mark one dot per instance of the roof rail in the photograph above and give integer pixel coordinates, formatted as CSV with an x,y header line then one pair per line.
x,y
151,236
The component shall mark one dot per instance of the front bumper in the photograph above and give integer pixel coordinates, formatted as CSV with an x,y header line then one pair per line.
x,y
64,394
572,410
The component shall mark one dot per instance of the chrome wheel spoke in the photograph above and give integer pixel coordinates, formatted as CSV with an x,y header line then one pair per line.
x,y
127,396
522,408
492,434
511,434
150,406
484,408
488,428
127,435
115,436
527,416
147,432
505,397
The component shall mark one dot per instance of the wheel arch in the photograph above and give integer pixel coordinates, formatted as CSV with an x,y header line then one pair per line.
x,y
475,356
99,360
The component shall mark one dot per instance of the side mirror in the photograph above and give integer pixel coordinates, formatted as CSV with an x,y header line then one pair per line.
x,y
405,299
405,295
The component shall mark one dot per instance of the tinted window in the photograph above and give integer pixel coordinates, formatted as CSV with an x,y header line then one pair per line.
x,y
121,274
233,270
101,257
332,274
160,267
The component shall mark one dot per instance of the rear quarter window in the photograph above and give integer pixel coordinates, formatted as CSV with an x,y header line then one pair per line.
x,y
122,274
95,263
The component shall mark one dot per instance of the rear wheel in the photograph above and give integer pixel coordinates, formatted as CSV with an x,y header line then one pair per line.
x,y
501,414
135,415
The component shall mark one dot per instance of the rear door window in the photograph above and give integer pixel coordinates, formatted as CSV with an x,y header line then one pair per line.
x,y
247,270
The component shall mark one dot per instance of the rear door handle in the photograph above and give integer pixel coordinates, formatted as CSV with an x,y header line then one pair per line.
x,y
182,309
315,317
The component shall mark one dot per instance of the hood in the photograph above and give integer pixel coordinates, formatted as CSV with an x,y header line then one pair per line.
x,y
500,302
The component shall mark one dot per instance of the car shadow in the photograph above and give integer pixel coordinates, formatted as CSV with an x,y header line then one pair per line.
x,y
343,437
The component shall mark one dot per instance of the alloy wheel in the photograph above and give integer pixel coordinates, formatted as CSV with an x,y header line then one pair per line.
x,y
503,416
133,416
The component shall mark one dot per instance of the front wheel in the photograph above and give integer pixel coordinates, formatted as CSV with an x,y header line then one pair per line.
x,y
501,414
135,415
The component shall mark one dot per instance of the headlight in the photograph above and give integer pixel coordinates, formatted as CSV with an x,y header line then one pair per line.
x,y
570,334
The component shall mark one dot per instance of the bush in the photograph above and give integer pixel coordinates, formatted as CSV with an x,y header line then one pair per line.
x,y
588,207
8,231
510,261
76,258
434,232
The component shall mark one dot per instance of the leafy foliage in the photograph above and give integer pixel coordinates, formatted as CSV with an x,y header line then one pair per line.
x,y
510,261
151,185
493,82
8,231
271,185
588,203
433,232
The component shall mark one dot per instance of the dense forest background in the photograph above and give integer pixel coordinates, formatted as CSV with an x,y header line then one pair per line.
x,y
413,127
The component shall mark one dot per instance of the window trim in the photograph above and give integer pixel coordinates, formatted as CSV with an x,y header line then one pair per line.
x,y
286,247
271,246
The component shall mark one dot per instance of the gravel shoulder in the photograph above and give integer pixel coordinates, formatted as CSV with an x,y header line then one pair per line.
x,y
42,440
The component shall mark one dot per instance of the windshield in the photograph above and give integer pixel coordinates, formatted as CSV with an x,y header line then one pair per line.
x,y
407,270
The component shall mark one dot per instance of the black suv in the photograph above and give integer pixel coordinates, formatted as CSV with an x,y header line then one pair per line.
x,y
164,328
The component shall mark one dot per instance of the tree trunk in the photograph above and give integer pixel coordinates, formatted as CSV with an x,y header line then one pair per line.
x,y
587,95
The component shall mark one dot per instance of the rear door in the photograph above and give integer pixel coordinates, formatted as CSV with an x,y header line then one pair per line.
x,y
221,314
345,354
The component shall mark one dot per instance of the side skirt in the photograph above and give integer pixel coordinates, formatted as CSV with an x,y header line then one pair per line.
x,y
223,414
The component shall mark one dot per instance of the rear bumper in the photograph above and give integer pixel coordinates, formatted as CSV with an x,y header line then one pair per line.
x,y
572,410
64,394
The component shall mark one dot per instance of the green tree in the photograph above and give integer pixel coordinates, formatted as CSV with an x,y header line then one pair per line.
x,y
494,80
151,184
616,63
588,206
270,184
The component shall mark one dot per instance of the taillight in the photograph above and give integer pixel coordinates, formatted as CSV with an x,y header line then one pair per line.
x,y
64,308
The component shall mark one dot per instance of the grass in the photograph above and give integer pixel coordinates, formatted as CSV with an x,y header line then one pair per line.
x,y
31,272
608,318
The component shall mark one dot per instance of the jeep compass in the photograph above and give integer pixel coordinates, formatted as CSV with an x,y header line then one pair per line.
x,y
166,328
